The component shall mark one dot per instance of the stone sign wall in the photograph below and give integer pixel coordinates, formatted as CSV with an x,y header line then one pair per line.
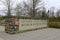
x,y
26,24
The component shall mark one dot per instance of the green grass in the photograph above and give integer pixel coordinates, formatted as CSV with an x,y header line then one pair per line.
x,y
55,25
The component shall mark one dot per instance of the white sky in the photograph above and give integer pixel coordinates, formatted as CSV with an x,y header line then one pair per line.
x,y
52,3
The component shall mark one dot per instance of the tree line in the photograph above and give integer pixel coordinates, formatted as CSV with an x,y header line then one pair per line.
x,y
26,11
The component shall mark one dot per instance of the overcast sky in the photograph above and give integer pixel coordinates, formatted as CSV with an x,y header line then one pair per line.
x,y
48,3
52,3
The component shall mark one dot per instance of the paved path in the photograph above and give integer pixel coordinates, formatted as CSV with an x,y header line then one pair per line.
x,y
42,34
2,28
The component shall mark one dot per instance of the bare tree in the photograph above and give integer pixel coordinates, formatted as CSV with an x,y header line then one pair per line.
x,y
26,9
18,10
31,12
51,12
22,9
44,13
8,4
32,9
58,13
35,7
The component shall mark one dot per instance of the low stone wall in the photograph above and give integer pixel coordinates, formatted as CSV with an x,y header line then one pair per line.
x,y
28,24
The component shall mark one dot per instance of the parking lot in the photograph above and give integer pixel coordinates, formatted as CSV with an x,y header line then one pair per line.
x,y
41,34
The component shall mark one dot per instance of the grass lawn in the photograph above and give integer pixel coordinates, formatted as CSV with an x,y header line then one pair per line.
x,y
54,23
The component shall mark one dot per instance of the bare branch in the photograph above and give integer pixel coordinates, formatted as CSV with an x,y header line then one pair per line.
x,y
8,4
4,2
